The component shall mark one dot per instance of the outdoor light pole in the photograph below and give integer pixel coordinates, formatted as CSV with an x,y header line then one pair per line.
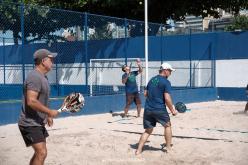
x,y
146,39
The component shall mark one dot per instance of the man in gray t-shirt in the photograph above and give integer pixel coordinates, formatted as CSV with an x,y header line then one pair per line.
x,y
35,112
38,82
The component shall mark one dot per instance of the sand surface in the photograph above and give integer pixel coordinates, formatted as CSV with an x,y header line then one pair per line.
x,y
208,133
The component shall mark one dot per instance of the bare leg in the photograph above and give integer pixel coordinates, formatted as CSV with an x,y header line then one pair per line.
x,y
143,139
168,136
40,153
126,110
138,110
246,107
128,103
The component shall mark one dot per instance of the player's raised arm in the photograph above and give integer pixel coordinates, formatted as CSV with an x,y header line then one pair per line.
x,y
139,65
125,76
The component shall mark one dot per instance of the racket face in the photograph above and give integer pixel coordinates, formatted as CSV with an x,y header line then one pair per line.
x,y
74,102
81,99
180,107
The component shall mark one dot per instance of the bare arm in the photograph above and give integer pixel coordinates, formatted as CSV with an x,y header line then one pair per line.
x,y
35,104
124,80
145,93
140,67
168,102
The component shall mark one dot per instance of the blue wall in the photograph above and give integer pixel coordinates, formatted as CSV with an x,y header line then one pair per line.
x,y
15,91
202,46
232,94
217,46
9,112
231,45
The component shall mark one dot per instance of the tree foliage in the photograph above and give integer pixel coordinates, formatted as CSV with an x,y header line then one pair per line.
x,y
159,10
41,22
239,23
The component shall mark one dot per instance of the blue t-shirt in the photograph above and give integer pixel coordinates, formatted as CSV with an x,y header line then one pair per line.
x,y
131,85
156,88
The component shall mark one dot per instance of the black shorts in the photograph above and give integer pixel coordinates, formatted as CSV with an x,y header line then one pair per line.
x,y
33,134
132,97
152,117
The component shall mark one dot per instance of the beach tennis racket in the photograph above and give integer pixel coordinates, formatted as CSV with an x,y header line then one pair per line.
x,y
74,102
180,107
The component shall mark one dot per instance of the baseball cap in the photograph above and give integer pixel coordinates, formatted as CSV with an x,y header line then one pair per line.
x,y
43,53
166,66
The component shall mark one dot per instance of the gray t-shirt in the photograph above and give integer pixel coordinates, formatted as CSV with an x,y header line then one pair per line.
x,y
38,82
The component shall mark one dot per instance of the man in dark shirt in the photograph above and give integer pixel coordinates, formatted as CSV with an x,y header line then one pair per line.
x,y
131,88
157,95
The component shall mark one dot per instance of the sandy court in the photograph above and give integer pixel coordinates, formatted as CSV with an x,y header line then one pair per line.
x,y
209,133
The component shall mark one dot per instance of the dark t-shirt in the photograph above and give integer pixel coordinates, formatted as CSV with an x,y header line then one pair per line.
x,y
131,85
38,82
156,88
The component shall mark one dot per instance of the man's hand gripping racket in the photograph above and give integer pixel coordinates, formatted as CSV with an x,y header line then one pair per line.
x,y
72,103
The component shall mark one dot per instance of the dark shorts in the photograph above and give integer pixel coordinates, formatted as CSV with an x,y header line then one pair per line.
x,y
134,97
32,135
152,117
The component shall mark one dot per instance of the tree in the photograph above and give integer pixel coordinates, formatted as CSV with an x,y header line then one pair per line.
x,y
10,20
39,22
159,10
42,22
239,23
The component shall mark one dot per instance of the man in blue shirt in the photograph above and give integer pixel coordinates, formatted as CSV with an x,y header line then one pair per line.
x,y
158,96
131,88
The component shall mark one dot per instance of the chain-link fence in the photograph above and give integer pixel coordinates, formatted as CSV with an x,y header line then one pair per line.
x,y
92,49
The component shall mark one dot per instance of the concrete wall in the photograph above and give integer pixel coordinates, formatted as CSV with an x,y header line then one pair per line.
x,y
232,73
231,79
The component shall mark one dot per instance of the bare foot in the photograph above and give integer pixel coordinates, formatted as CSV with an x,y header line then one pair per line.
x,y
168,150
137,152
124,115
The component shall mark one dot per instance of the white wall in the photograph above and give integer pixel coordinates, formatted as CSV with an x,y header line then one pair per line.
x,y
229,73
232,73
74,74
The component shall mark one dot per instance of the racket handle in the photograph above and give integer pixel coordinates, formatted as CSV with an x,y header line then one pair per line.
x,y
63,109
60,110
